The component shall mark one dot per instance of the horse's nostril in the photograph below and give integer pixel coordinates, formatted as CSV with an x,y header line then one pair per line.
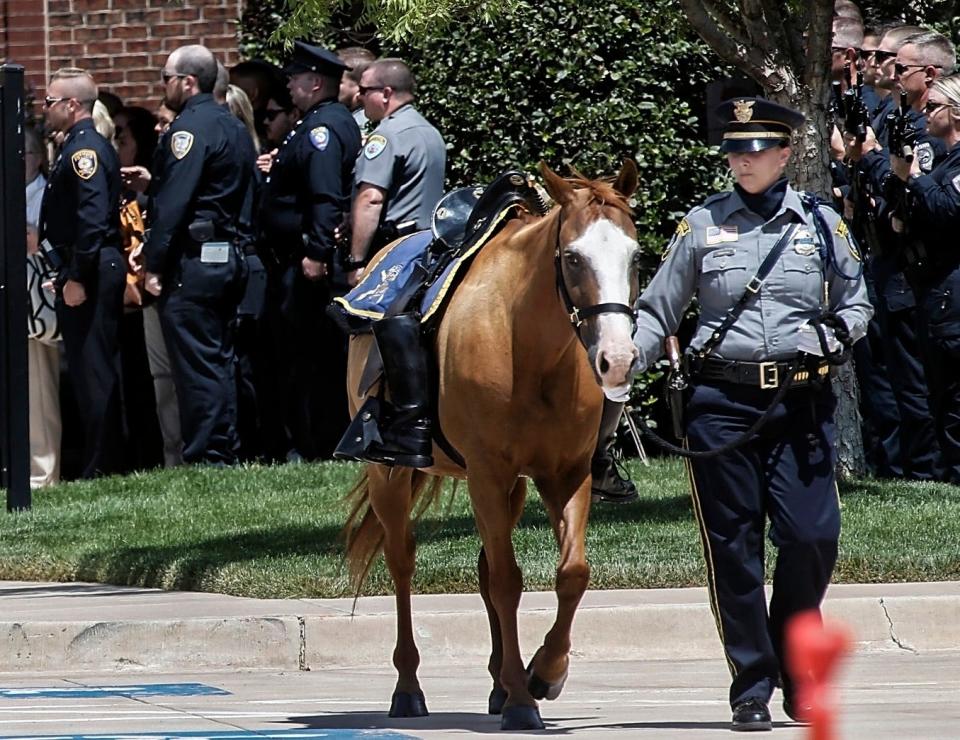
x,y
604,365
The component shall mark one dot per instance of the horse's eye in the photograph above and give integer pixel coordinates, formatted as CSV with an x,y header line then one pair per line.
x,y
637,259
573,260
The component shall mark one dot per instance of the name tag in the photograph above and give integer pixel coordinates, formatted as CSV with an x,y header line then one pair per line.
x,y
721,234
217,253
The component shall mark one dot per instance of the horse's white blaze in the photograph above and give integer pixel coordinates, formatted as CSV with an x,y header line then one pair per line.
x,y
609,252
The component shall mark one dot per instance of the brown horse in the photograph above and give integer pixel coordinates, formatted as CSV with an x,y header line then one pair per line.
x,y
540,323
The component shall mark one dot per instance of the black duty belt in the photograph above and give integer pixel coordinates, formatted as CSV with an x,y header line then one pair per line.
x,y
764,375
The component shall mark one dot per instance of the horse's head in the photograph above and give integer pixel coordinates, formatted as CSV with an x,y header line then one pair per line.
x,y
598,263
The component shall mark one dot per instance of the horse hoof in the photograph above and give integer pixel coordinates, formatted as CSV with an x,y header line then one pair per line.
x,y
498,697
520,717
408,704
540,689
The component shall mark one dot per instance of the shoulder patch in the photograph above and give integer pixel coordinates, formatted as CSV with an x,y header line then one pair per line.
x,y
374,146
85,163
924,155
683,228
181,143
854,251
320,137
842,230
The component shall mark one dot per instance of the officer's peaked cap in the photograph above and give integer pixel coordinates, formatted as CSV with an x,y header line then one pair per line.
x,y
309,58
755,124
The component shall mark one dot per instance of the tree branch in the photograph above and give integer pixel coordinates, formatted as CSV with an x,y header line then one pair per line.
x,y
758,29
734,48
793,39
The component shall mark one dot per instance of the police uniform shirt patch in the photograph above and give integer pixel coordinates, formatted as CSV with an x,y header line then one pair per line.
x,y
320,137
181,143
374,146
683,228
721,234
924,155
843,231
85,163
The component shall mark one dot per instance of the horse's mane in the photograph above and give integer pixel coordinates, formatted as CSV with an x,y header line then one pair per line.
x,y
601,191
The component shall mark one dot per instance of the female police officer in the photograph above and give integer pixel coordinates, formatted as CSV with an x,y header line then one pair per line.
x,y
932,210
740,358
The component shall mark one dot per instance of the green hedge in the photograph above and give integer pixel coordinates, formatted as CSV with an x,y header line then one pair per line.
x,y
575,83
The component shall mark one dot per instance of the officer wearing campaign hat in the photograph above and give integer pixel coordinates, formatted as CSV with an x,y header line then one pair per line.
x,y
781,298
306,196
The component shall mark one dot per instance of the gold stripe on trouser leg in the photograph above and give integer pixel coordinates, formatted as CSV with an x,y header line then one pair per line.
x,y
707,557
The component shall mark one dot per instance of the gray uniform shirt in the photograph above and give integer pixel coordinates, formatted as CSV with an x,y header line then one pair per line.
x,y
406,157
715,252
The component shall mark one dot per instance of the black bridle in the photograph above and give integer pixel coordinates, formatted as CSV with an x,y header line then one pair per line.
x,y
576,314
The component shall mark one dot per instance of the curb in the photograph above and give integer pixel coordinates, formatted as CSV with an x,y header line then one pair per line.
x,y
229,633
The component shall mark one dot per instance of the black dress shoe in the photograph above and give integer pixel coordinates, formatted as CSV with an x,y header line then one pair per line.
x,y
751,715
799,713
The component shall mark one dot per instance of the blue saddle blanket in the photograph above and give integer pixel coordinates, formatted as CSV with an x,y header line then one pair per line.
x,y
387,275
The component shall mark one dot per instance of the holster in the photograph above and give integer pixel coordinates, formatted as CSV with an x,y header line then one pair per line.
x,y
676,402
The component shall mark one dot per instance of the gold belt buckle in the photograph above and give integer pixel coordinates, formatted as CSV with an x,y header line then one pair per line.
x,y
769,375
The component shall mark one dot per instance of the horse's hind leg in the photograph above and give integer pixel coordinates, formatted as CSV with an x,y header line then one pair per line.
x,y
498,696
391,497
494,514
568,514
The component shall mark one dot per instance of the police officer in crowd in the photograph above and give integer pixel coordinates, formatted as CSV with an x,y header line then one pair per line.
x,y
921,56
306,196
794,271
80,222
192,257
356,59
933,211
399,177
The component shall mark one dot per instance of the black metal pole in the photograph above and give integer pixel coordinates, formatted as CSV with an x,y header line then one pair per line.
x,y
14,405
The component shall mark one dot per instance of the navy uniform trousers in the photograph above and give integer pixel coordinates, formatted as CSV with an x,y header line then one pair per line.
x,y
197,307
91,337
786,474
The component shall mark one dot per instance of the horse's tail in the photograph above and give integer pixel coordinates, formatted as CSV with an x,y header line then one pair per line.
x,y
363,531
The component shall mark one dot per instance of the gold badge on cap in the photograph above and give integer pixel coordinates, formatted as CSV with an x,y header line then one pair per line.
x,y
84,163
743,110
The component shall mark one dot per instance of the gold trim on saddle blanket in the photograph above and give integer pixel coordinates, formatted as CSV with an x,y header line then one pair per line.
x,y
441,295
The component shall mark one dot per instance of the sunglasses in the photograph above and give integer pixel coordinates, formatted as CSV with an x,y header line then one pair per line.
x,y
48,101
364,90
167,76
900,68
270,113
930,108
881,56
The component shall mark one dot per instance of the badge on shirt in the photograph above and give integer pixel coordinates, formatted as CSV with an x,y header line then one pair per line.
x,y
84,163
803,243
924,155
721,234
180,143
374,146
320,137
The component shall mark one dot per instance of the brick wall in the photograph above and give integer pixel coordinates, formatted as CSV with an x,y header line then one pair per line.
x,y
123,43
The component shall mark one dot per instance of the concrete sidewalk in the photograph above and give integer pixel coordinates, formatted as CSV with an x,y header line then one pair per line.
x,y
52,627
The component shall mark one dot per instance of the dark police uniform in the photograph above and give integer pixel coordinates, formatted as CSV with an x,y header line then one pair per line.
x,y
80,218
900,325
786,471
932,213
199,193
306,196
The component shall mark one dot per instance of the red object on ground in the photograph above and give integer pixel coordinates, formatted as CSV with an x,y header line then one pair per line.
x,y
814,651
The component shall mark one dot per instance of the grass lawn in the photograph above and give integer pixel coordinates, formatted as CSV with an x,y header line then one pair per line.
x,y
275,532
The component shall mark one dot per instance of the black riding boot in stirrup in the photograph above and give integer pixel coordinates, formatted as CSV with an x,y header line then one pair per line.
x,y
610,480
396,432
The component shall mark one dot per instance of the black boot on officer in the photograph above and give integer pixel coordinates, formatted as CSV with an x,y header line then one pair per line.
x,y
610,480
398,431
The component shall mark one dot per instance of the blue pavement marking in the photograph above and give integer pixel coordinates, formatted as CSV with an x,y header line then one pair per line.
x,y
231,735
96,692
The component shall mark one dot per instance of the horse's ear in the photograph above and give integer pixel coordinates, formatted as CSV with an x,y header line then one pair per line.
x,y
628,179
559,189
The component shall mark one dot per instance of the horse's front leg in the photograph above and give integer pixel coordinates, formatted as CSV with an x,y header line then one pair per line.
x,y
498,696
491,498
391,494
569,515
